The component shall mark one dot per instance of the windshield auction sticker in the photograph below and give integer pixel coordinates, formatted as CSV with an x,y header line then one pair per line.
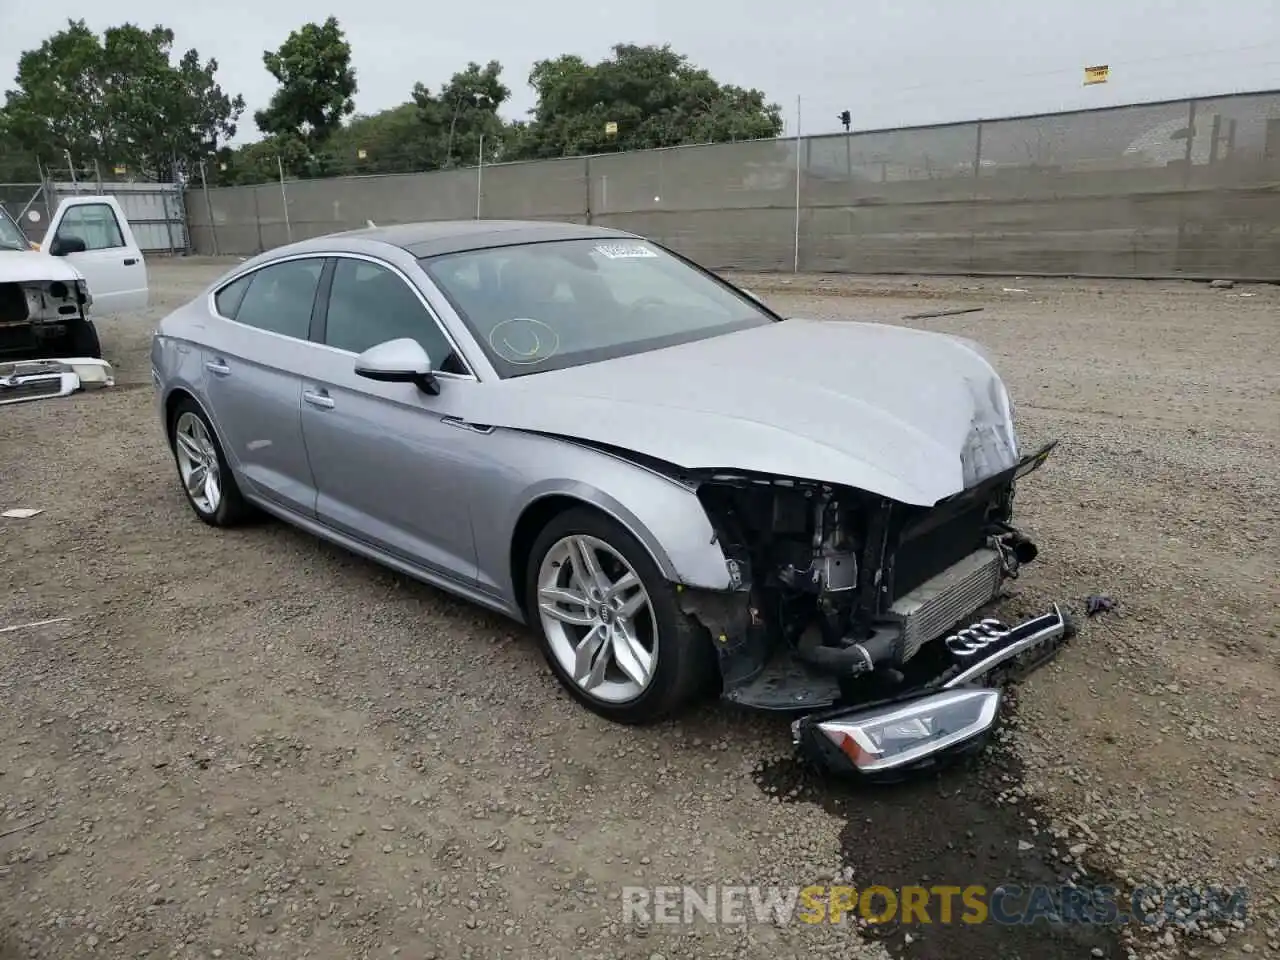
x,y
624,251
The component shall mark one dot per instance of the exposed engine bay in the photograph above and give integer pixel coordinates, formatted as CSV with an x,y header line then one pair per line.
x,y
844,598
36,315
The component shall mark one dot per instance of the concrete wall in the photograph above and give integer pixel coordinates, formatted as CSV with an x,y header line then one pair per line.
x,y
1169,189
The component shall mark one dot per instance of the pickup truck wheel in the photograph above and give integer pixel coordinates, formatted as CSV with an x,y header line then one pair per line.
x,y
207,481
608,622
82,340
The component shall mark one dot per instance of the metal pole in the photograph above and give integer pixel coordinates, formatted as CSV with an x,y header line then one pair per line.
x,y
795,267
46,178
97,175
480,177
71,169
284,199
208,206
257,219
168,218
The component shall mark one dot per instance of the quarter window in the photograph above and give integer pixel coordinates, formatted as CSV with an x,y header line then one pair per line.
x,y
279,298
228,299
369,305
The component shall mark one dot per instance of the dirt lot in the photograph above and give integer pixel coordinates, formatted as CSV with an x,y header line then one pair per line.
x,y
250,744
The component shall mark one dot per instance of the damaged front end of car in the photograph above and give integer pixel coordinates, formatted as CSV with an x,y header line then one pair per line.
x,y
849,607
36,314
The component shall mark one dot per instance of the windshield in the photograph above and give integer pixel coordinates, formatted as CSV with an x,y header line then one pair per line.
x,y
545,306
11,235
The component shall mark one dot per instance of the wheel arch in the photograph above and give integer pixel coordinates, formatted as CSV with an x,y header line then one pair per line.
x,y
672,533
174,396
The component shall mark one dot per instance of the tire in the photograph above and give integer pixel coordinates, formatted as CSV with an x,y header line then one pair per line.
x,y
229,507
682,657
82,339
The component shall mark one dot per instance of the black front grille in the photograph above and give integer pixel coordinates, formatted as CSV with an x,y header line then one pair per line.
x,y
43,387
19,339
933,544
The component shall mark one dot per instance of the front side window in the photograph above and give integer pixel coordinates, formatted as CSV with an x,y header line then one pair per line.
x,y
280,297
94,223
369,305
545,306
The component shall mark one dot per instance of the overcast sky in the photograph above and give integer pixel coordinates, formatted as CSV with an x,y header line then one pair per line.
x,y
890,62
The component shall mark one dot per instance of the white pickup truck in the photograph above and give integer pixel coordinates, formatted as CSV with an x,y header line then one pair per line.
x,y
88,266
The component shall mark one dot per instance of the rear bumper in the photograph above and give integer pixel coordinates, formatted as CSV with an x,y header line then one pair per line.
x,y
950,716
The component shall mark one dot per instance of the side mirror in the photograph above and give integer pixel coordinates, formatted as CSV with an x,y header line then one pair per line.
x,y
398,361
63,245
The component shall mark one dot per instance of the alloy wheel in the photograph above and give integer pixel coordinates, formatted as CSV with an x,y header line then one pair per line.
x,y
198,462
597,618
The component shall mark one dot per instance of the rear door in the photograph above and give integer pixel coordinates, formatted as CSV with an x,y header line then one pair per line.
x,y
255,354
111,262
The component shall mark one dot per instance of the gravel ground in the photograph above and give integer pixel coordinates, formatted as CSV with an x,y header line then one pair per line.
x,y
247,743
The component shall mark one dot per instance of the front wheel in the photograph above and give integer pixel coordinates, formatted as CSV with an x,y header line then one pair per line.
x,y
608,621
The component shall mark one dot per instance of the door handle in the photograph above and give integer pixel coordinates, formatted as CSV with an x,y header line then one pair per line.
x,y
130,261
217,367
316,399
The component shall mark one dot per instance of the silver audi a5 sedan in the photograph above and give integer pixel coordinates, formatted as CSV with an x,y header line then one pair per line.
x,y
679,490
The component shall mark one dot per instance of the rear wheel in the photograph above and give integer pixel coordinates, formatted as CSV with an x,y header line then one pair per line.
x,y
608,621
207,481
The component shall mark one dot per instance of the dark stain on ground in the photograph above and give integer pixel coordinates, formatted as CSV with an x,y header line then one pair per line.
x,y
948,830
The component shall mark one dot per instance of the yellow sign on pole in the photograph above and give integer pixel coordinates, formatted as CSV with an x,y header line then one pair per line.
x,y
611,128
1097,74
120,171
361,154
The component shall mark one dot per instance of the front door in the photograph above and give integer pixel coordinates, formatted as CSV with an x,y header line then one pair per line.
x,y
389,469
111,262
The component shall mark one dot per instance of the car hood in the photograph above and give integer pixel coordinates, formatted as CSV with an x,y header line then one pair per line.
x,y
907,414
22,266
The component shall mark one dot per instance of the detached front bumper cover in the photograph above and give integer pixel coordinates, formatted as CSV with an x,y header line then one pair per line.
x,y
948,718
25,380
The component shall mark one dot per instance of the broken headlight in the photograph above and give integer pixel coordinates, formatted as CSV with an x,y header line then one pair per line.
x,y
899,735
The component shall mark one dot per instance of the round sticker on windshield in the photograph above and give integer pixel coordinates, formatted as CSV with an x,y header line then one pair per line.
x,y
524,340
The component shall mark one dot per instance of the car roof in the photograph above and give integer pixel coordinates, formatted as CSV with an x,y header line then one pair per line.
x,y
436,237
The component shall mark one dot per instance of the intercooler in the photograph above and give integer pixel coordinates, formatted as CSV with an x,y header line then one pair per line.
x,y
926,612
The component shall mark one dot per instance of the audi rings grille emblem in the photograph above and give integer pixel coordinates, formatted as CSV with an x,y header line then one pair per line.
x,y
976,638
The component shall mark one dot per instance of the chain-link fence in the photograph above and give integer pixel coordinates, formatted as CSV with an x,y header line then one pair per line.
x,y
1161,190
155,211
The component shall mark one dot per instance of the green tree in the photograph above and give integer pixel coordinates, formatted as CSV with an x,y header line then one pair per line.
x,y
655,96
465,109
431,131
393,141
317,84
120,100
259,162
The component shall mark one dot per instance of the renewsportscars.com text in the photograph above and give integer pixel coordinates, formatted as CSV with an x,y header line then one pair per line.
x,y
1004,904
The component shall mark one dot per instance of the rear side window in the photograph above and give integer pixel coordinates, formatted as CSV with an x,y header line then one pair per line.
x,y
228,299
279,298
